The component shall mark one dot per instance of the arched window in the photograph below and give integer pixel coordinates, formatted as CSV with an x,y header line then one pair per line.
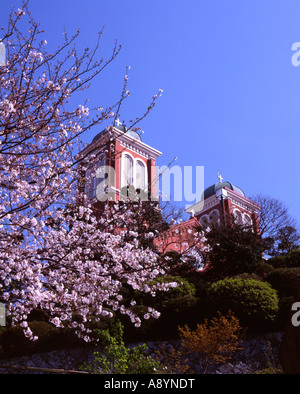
x,y
238,217
127,171
204,221
140,175
214,216
95,174
247,220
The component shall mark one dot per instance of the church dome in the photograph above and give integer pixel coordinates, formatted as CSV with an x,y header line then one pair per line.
x,y
209,191
122,128
130,132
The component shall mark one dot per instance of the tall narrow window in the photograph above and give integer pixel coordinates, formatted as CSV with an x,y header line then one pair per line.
x,y
204,221
214,217
238,217
95,174
140,175
127,172
247,220
89,183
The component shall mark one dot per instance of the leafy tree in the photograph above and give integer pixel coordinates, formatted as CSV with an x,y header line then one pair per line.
x,y
286,240
278,229
273,215
232,249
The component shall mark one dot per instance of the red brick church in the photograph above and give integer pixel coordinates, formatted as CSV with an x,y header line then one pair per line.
x,y
121,160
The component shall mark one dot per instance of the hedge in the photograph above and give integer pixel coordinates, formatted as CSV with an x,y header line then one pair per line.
x,y
254,302
283,279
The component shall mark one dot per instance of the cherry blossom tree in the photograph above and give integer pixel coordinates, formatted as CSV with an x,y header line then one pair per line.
x,y
55,256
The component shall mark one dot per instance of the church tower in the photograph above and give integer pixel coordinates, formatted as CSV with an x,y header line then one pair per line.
x,y
118,162
224,202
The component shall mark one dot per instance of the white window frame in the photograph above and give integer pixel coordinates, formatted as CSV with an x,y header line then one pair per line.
x,y
137,161
235,212
123,181
250,222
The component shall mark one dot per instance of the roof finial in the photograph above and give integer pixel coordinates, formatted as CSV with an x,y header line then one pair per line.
x,y
118,123
220,177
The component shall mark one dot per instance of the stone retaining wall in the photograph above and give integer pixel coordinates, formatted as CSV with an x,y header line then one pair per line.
x,y
257,354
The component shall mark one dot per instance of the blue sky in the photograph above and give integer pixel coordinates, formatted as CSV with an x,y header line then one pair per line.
x,y
231,100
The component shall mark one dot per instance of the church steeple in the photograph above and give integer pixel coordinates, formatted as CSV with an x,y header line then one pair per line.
x,y
126,162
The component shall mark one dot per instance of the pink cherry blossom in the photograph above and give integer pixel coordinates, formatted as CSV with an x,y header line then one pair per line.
x,y
56,255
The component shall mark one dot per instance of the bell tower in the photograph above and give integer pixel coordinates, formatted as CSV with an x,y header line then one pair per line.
x,y
118,164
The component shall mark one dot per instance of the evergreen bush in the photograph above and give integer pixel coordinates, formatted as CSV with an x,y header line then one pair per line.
x,y
283,279
254,302
13,342
164,299
291,260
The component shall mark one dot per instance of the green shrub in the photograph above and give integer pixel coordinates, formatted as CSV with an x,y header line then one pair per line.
x,y
164,299
177,306
248,275
201,285
14,342
282,279
254,302
291,260
277,261
182,304
116,358
263,269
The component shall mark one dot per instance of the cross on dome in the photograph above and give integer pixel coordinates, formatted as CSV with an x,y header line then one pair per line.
x,y
220,177
118,123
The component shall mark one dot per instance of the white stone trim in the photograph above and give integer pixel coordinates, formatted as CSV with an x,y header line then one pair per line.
x,y
126,140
